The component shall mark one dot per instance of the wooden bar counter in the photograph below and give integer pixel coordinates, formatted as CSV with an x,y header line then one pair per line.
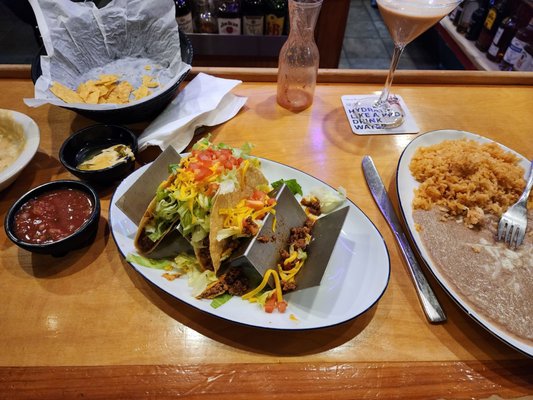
x,y
88,326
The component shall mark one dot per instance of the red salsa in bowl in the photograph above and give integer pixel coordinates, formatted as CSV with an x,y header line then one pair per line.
x,y
52,216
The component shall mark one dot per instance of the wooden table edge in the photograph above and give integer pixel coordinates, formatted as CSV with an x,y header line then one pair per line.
x,y
361,76
403,380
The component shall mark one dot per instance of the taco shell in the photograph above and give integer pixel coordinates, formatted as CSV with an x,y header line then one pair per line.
x,y
142,242
251,179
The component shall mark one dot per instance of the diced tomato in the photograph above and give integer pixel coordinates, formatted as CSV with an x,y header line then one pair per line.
x,y
282,306
201,172
203,160
270,304
212,188
258,195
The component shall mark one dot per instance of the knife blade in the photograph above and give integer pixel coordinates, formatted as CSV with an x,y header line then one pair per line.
x,y
428,300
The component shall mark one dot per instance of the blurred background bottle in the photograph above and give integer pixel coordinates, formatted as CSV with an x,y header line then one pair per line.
x,y
229,17
476,22
525,62
494,17
455,15
276,12
523,37
184,16
204,18
253,17
506,31
469,7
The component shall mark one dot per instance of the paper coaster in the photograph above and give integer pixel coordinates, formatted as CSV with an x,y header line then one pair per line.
x,y
349,101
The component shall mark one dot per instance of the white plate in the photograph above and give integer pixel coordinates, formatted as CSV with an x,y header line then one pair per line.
x,y
406,185
356,277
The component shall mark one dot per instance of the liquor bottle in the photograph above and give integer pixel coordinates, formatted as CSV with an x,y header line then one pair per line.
x,y
253,17
205,20
184,16
468,9
525,62
494,17
276,12
229,17
523,37
504,34
455,15
476,22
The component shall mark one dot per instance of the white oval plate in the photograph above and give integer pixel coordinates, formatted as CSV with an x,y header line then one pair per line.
x,y
356,277
406,184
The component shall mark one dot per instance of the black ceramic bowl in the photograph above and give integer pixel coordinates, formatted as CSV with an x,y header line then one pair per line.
x,y
83,236
144,111
91,139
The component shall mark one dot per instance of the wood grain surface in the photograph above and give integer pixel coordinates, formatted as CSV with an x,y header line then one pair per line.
x,y
87,325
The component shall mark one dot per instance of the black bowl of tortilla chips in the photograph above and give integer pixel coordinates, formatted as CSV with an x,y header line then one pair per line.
x,y
138,112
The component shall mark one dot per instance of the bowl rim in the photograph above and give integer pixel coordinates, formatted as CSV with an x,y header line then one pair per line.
x,y
32,136
44,188
71,168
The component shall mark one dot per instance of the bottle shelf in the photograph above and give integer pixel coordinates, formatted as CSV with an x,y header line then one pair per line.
x,y
477,58
262,51
206,44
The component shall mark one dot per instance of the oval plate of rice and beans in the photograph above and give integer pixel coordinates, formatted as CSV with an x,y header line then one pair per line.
x,y
452,188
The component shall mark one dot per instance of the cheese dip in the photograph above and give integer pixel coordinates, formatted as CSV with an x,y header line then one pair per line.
x,y
12,139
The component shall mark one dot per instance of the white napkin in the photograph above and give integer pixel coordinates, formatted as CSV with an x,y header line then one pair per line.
x,y
205,101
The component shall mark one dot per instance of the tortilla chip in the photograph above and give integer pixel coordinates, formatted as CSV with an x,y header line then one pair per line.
x,y
107,89
107,79
141,92
65,94
149,82
120,93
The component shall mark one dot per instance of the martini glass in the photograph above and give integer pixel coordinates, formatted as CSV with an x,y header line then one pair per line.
x,y
405,20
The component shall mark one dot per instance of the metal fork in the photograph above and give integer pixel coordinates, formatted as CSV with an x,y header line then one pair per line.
x,y
513,223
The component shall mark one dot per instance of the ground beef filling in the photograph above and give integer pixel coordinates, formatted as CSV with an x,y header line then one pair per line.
x,y
233,281
204,255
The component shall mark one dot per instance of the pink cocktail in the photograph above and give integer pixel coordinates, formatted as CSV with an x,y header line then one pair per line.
x,y
405,20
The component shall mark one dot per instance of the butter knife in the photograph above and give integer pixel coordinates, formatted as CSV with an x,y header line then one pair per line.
x,y
430,304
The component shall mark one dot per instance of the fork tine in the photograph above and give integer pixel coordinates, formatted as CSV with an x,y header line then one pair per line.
x,y
509,233
502,228
520,235
513,236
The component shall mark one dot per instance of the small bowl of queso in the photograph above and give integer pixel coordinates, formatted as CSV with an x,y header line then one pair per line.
x,y
100,154
54,218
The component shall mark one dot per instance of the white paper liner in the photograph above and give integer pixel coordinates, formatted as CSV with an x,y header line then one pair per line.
x,y
121,38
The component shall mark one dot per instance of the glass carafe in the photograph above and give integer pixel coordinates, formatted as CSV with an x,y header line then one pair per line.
x,y
299,58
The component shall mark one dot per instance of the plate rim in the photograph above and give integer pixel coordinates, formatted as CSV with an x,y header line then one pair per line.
x,y
251,325
479,319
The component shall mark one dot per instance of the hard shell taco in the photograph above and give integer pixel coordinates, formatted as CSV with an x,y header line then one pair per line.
x,y
209,173
160,217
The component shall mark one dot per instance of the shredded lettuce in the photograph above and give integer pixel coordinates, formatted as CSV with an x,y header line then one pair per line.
x,y
221,300
186,262
151,262
264,296
292,184
329,199
228,232
199,281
